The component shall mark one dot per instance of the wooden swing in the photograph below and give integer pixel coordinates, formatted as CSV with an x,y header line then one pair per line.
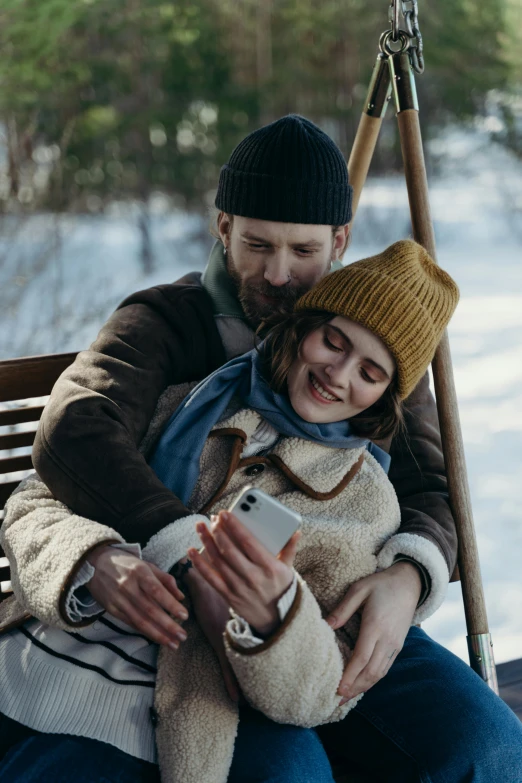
x,y
393,75
400,54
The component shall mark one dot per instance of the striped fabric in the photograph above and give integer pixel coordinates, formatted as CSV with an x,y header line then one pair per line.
x,y
97,682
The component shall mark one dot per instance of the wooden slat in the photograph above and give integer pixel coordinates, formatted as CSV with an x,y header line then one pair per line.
x,y
18,415
6,488
12,464
16,440
31,376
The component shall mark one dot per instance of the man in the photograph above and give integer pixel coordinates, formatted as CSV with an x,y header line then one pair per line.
x,y
284,206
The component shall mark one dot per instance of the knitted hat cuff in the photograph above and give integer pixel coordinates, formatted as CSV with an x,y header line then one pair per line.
x,y
266,197
400,295
370,302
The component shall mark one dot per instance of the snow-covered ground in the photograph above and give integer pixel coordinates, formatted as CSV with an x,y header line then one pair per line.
x,y
60,278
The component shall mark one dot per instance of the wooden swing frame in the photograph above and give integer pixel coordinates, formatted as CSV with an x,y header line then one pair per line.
x,y
393,75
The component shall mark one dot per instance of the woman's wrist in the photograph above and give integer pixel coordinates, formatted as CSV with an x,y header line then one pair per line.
x,y
98,551
265,630
267,619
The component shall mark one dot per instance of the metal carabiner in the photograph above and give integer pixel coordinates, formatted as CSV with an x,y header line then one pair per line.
x,y
396,40
386,40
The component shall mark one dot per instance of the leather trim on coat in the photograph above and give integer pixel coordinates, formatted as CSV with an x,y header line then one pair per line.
x,y
236,463
277,633
312,492
237,448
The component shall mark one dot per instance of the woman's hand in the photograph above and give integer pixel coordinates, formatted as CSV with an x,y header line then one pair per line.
x,y
138,593
243,571
388,600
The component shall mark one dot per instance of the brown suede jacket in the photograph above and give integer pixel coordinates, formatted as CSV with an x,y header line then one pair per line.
x,y
86,449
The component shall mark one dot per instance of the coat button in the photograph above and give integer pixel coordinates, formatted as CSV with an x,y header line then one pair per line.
x,y
153,717
254,470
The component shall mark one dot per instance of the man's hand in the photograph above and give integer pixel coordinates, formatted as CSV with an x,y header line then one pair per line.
x,y
388,600
138,593
212,613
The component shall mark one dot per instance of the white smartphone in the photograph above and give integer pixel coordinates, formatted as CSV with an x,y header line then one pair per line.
x,y
270,521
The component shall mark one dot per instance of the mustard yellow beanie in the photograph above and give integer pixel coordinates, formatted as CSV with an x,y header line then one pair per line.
x,y
401,295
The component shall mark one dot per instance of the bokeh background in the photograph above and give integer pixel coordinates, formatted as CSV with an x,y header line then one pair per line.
x,y
116,116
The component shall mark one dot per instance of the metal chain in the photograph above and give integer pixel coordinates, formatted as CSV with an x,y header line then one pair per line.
x,y
393,18
410,12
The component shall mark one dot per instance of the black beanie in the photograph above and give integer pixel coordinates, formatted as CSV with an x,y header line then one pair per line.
x,y
289,171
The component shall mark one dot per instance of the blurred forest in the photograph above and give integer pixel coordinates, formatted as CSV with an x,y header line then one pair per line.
x,y
109,100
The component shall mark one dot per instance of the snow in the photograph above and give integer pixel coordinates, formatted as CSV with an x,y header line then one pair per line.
x,y
60,278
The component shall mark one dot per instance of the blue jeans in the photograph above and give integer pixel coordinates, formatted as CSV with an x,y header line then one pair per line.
x,y
265,752
430,720
61,758
276,753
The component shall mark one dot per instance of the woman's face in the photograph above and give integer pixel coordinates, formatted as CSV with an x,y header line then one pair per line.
x,y
342,369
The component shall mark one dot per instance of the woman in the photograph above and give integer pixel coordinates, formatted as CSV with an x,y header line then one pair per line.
x,y
294,419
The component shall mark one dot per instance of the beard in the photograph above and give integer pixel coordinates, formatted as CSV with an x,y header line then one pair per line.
x,y
257,310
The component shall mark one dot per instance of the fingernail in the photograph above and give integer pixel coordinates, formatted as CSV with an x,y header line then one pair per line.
x,y
183,614
213,518
343,701
181,635
331,620
225,516
173,645
345,690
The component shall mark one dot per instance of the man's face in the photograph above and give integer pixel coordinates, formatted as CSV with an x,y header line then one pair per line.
x,y
273,264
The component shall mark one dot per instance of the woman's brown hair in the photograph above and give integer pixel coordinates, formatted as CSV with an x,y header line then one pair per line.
x,y
281,348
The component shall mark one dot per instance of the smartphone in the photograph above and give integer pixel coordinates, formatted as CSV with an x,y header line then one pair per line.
x,y
272,523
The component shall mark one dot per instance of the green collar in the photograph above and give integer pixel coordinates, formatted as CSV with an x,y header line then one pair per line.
x,y
220,286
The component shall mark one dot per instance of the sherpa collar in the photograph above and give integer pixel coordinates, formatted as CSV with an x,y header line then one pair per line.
x,y
317,470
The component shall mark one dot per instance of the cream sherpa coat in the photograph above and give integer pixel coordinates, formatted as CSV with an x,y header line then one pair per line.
x,y
350,513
